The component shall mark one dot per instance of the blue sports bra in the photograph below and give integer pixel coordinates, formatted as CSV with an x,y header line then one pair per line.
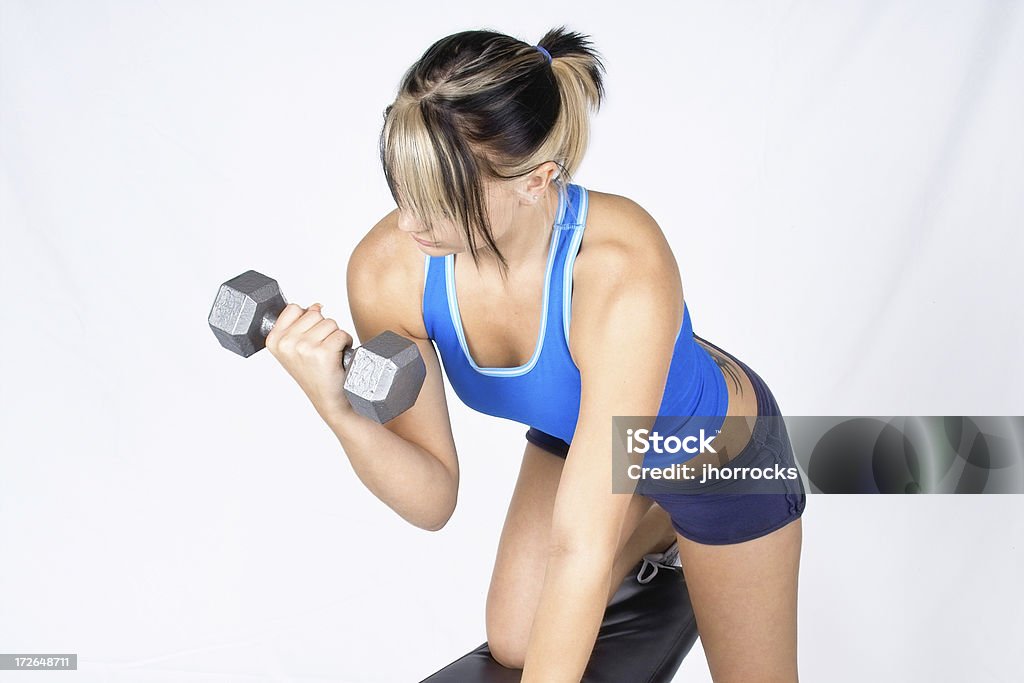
x,y
544,393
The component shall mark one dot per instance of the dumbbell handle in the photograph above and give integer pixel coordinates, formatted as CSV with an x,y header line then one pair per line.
x,y
270,317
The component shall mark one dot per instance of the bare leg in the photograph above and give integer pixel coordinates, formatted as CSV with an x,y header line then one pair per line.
x,y
522,552
744,597
653,534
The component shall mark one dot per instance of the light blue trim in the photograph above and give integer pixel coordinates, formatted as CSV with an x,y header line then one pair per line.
x,y
682,323
574,246
580,210
563,204
453,308
423,299
570,259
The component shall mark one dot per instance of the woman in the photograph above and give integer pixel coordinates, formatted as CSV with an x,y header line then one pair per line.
x,y
568,311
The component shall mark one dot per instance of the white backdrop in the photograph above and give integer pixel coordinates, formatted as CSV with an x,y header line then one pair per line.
x,y
840,182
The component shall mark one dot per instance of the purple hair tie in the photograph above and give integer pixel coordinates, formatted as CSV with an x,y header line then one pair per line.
x,y
543,52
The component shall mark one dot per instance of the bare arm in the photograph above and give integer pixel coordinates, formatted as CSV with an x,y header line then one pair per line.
x,y
631,304
409,463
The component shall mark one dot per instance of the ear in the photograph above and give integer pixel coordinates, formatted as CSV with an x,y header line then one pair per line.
x,y
536,184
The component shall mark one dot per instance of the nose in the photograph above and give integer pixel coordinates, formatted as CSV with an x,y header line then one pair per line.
x,y
408,223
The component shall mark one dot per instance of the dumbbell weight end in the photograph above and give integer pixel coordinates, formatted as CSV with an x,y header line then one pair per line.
x,y
244,312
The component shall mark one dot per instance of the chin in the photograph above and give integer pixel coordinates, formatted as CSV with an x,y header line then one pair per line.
x,y
435,249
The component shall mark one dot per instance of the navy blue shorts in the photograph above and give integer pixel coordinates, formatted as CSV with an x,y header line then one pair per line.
x,y
718,517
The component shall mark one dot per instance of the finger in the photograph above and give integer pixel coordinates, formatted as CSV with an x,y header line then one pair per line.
x,y
322,330
285,318
338,339
306,321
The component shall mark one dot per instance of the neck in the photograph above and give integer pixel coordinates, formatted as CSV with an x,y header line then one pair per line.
x,y
527,241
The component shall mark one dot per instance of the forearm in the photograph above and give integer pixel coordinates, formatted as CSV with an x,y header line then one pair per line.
x,y
404,476
568,617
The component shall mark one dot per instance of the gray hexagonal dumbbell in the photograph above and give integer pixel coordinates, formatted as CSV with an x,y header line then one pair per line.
x,y
383,376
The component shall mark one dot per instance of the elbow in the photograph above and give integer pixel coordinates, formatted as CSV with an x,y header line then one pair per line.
x,y
439,518
436,525
585,547
587,564
564,546
432,512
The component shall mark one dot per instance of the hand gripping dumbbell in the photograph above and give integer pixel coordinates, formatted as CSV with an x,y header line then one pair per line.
x,y
383,376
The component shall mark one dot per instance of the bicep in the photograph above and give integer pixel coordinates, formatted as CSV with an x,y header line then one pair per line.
x,y
381,297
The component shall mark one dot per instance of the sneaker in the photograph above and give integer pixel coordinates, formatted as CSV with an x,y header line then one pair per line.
x,y
652,562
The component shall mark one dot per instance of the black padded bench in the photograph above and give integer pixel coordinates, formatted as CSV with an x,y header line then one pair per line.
x,y
647,630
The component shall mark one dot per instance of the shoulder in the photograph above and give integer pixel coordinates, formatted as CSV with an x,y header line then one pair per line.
x,y
623,244
384,277
624,265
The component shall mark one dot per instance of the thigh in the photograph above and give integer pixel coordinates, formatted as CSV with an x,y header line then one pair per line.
x,y
744,597
521,561
522,558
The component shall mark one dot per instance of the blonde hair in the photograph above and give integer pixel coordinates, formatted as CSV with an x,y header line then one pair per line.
x,y
479,106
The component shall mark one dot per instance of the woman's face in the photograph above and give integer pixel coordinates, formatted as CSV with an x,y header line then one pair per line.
x,y
447,238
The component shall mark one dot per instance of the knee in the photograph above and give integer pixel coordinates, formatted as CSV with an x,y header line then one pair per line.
x,y
507,647
509,618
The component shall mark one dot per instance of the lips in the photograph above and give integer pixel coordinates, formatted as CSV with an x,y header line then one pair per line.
x,y
426,244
